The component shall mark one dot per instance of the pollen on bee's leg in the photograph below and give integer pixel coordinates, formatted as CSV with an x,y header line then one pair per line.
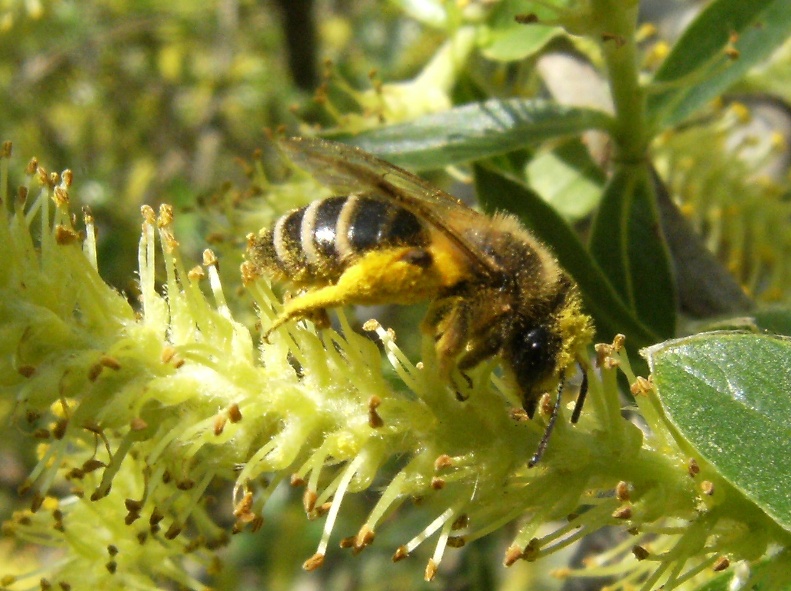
x,y
298,308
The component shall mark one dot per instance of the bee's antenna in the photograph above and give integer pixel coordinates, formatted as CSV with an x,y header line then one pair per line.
x,y
542,445
575,415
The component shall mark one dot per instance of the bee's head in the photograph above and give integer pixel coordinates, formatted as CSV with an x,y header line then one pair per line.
x,y
533,359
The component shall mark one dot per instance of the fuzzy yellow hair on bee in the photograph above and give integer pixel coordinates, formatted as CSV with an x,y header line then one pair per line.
x,y
391,238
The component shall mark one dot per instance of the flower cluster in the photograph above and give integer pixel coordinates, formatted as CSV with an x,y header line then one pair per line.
x,y
139,412
732,189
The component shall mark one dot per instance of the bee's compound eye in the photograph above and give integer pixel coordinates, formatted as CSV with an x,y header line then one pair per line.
x,y
533,356
418,257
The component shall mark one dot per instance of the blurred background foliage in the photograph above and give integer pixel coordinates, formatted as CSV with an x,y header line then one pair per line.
x,y
166,102
148,102
156,102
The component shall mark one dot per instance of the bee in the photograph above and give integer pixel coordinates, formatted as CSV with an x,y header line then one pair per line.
x,y
494,290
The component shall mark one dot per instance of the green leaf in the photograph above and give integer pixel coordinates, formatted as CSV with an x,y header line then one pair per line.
x,y
697,69
475,131
505,40
517,42
729,395
774,319
497,191
627,242
568,179
769,574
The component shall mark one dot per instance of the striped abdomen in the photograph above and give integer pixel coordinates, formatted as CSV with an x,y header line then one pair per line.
x,y
317,242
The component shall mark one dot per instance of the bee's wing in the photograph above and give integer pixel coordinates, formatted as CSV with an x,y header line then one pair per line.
x,y
353,170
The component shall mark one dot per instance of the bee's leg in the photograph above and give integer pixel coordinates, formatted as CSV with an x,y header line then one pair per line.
x,y
448,320
311,306
542,445
437,315
456,390
318,317
488,348
403,275
278,322
468,360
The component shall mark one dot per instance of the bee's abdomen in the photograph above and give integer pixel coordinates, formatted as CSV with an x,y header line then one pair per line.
x,y
317,242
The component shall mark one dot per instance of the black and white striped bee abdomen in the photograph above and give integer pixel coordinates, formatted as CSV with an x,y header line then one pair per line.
x,y
315,243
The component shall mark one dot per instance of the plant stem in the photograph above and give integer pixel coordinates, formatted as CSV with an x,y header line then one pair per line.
x,y
618,40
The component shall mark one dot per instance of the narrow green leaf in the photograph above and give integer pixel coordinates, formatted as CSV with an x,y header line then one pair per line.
x,y
568,179
608,235
729,395
774,319
506,40
705,287
627,242
612,316
517,42
698,70
475,131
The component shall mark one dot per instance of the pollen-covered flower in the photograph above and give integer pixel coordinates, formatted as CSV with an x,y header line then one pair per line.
x,y
137,412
